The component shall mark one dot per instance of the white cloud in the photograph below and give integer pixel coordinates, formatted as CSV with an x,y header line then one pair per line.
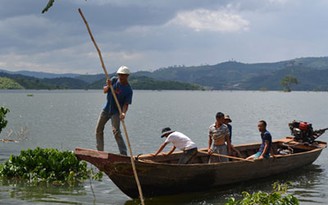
x,y
206,20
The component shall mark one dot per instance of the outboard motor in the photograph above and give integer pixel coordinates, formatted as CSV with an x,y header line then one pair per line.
x,y
303,131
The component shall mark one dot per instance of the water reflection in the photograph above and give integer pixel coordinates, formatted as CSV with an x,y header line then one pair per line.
x,y
41,193
306,182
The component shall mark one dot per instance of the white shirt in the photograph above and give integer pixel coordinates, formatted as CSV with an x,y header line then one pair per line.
x,y
180,141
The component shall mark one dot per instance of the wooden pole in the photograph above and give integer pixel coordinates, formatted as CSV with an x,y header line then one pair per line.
x,y
226,156
119,109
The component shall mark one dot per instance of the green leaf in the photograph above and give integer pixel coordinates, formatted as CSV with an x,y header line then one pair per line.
x,y
47,165
50,4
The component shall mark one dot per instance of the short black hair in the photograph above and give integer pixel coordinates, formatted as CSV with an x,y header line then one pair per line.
x,y
264,123
219,115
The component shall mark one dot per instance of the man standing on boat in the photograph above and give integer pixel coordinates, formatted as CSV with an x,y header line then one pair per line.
x,y
265,149
180,141
227,121
123,93
219,135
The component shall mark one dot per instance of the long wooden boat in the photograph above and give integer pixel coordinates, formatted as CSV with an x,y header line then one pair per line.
x,y
161,175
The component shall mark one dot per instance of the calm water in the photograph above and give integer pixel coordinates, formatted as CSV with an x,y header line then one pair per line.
x,y
67,119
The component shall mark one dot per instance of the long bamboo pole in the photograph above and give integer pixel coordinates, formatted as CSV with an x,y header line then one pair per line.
x,y
119,108
226,156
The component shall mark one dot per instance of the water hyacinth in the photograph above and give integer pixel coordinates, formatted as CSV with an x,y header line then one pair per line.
x,y
47,165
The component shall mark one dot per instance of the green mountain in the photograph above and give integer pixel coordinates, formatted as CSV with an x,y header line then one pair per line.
x,y
309,79
146,83
46,83
311,74
7,83
17,81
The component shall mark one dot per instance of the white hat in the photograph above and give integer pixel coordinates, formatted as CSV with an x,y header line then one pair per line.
x,y
123,70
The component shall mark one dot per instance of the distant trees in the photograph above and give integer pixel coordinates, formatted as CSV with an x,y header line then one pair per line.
x,y
287,81
7,83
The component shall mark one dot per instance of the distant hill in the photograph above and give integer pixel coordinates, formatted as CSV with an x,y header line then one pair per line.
x,y
227,75
40,74
311,73
233,75
309,79
17,81
7,83
146,83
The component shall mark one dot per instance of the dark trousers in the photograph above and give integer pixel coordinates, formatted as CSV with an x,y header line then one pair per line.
x,y
187,156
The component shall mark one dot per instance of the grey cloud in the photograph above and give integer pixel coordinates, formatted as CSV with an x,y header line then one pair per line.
x,y
138,33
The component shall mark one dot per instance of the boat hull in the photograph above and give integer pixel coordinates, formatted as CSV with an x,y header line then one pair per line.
x,y
164,179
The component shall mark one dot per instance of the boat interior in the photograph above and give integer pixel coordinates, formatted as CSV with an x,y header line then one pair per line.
x,y
280,148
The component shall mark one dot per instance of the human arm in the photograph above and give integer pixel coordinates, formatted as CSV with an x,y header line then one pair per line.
x,y
171,151
160,148
108,83
266,146
209,150
124,110
227,138
272,153
106,87
127,101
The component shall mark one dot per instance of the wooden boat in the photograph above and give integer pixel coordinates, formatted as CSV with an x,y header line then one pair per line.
x,y
161,175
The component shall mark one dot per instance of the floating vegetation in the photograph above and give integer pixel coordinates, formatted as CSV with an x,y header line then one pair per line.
x,y
277,196
47,165
30,95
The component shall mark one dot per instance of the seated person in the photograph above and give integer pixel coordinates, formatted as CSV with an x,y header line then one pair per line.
x,y
265,148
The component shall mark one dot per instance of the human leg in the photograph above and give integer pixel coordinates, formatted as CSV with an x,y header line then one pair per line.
x,y
223,149
187,156
214,159
117,134
254,156
102,120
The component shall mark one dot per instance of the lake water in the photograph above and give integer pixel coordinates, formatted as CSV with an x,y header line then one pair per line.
x,y
67,119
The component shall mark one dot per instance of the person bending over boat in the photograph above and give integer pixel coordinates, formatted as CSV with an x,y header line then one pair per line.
x,y
180,141
265,148
219,135
123,93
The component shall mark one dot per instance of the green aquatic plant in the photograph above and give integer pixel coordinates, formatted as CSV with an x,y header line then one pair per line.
x,y
47,165
277,196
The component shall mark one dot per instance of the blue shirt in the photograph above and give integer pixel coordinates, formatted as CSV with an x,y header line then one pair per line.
x,y
230,130
123,93
266,136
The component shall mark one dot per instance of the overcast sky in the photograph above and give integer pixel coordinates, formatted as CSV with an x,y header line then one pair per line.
x,y
150,34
